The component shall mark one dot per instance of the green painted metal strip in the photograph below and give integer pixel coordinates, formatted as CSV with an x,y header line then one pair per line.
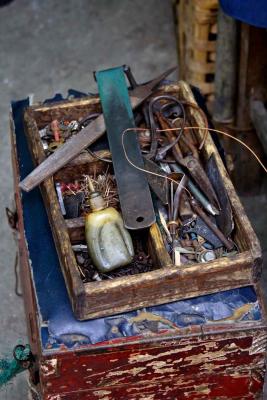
x,y
135,197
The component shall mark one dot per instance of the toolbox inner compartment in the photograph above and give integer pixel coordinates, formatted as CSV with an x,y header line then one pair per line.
x,y
76,226
84,164
150,239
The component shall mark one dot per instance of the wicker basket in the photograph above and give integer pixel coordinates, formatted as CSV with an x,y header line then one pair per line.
x,y
197,34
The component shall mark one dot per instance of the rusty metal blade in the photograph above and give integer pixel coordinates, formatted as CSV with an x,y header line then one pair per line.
x,y
197,172
157,182
224,220
84,138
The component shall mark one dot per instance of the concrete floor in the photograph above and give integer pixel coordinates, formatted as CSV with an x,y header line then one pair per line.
x,y
50,46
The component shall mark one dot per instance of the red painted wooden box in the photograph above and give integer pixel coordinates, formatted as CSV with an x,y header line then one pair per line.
x,y
210,347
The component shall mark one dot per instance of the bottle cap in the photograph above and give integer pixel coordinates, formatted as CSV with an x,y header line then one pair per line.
x,y
96,202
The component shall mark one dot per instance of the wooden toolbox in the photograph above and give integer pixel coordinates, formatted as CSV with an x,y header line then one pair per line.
x,y
209,347
165,282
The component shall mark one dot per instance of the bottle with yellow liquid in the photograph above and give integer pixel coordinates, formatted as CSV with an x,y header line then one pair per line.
x,y
109,244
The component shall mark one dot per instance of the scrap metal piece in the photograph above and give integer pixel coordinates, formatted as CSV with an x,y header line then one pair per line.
x,y
190,162
197,172
227,243
206,256
196,192
176,200
160,154
165,167
60,198
55,145
224,220
185,210
88,135
80,247
172,110
199,227
157,183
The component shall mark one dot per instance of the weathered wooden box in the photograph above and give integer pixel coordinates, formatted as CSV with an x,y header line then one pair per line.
x,y
148,354
223,361
164,284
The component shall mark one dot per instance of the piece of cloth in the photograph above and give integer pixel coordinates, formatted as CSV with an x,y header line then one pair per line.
x,y
252,12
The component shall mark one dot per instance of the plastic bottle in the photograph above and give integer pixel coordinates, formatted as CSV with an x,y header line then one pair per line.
x,y
109,244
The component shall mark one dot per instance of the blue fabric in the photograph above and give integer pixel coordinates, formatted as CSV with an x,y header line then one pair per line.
x,y
252,12
57,324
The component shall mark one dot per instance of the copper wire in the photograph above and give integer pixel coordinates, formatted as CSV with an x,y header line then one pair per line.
x,y
143,169
187,128
231,137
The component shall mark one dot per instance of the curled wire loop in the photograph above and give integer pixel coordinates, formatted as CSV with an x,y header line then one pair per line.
x,y
184,129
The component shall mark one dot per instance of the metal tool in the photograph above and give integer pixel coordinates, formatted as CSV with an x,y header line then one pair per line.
x,y
227,243
177,196
196,192
172,110
173,213
206,256
134,194
197,226
225,218
84,138
60,198
157,183
190,161
185,210
154,143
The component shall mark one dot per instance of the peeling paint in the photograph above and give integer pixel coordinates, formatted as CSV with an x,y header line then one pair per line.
x,y
105,398
202,389
101,392
158,364
164,370
196,368
147,397
49,367
149,357
199,358
132,371
259,344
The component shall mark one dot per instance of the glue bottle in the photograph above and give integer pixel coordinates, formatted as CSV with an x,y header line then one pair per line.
x,y
109,244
